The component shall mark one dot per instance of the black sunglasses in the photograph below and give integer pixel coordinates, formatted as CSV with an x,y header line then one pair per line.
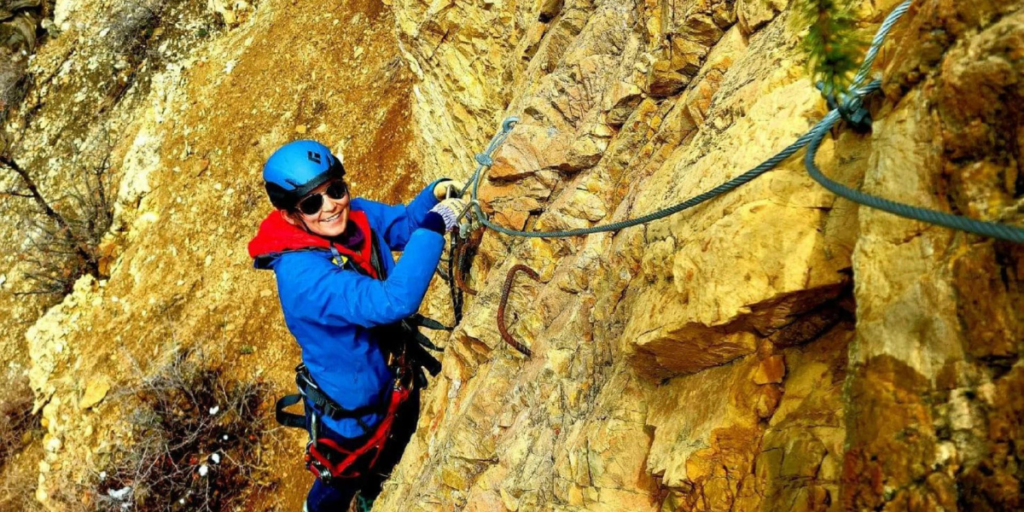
x,y
312,204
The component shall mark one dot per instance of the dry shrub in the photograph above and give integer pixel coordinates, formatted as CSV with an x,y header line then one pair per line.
x,y
132,25
17,423
18,487
18,428
65,243
13,81
198,444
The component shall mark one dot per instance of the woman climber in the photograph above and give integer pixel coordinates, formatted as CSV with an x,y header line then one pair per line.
x,y
353,311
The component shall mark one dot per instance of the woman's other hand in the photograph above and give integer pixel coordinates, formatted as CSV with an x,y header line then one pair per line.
x,y
448,188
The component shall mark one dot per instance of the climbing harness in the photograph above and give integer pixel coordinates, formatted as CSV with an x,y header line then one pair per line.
x,y
404,347
504,302
325,458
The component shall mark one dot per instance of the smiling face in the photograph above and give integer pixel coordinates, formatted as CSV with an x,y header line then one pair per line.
x,y
329,222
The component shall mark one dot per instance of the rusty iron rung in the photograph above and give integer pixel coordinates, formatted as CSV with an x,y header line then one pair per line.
x,y
504,302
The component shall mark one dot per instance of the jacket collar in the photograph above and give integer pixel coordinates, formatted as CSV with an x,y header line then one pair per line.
x,y
276,236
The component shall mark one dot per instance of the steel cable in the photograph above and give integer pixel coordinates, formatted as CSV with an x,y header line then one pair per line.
x,y
850,105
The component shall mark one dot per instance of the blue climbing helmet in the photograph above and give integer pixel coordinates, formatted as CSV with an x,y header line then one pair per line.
x,y
297,168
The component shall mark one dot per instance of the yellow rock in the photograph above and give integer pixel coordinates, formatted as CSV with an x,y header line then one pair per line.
x,y
647,380
95,391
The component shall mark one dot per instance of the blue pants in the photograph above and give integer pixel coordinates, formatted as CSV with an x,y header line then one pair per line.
x,y
336,496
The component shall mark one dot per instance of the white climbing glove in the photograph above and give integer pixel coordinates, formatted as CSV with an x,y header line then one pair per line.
x,y
449,210
443,187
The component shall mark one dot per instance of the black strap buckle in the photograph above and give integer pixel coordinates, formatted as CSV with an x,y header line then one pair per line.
x,y
288,419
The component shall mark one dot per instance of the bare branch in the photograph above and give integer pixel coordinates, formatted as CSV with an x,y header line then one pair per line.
x,y
178,434
44,205
15,193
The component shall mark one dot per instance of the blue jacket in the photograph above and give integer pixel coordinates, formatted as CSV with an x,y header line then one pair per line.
x,y
330,310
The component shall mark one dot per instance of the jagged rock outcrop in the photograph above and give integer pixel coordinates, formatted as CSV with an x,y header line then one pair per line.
x,y
19,21
181,119
776,348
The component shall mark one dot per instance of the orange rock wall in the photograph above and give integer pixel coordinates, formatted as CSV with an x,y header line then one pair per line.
x,y
774,349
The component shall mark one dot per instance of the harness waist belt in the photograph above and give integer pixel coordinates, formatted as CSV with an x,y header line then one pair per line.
x,y
330,407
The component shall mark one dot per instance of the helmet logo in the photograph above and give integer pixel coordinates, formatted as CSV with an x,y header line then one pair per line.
x,y
313,157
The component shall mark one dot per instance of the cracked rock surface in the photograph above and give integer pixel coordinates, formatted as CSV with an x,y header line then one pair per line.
x,y
774,349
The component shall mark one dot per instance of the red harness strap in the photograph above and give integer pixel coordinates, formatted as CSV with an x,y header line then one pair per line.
x,y
316,459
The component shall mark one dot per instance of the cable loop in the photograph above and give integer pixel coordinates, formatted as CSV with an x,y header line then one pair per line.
x,y
846,105
850,106
508,124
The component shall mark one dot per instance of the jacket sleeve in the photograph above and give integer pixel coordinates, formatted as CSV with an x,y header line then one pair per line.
x,y
397,223
314,289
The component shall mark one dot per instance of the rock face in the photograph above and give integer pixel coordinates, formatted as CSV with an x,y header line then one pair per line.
x,y
179,110
774,349
19,20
